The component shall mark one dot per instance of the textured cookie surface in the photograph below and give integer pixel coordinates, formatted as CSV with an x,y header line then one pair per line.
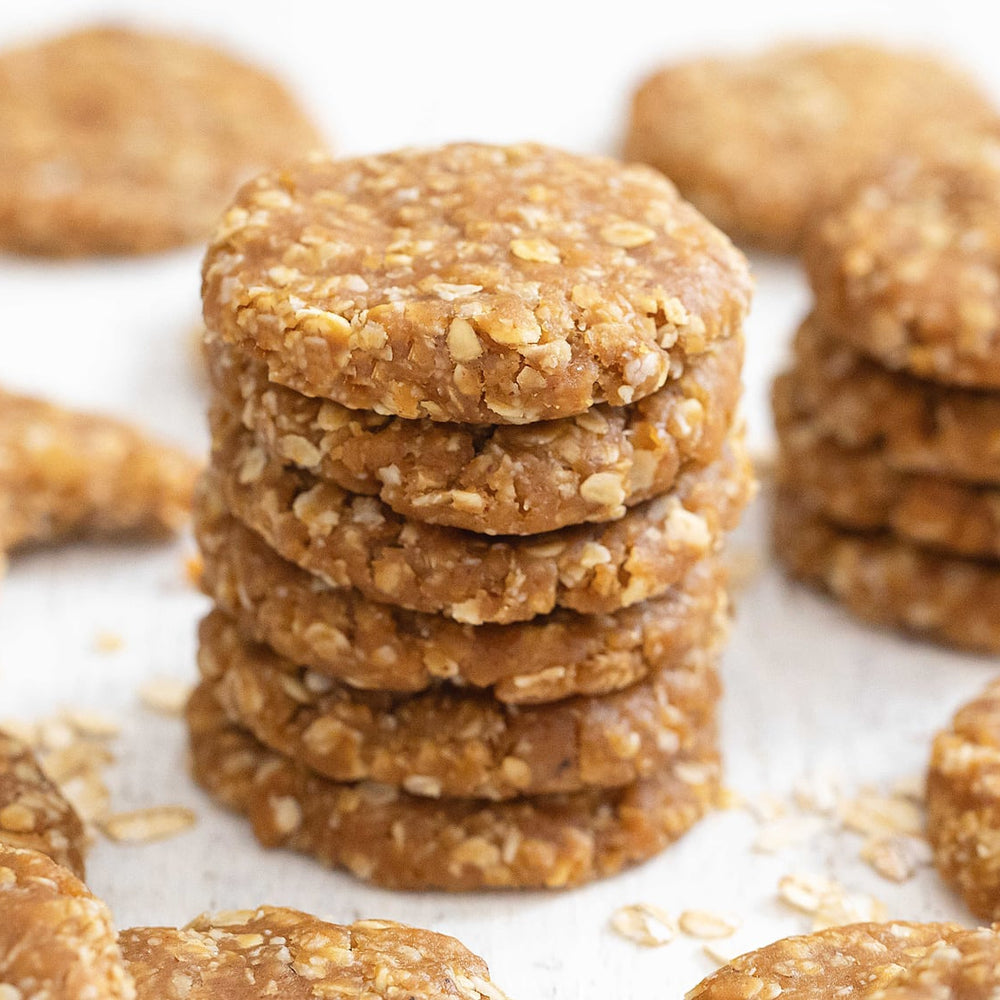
x,y
860,961
406,842
907,266
33,812
472,283
452,743
116,141
337,633
56,939
274,951
356,541
506,479
759,142
892,582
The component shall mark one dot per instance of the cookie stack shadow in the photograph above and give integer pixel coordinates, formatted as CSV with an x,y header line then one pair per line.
x,y
463,655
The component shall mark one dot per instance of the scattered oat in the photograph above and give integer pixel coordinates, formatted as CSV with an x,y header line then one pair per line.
x,y
873,814
108,642
166,695
819,792
896,857
706,925
848,908
913,787
645,924
717,954
805,893
767,807
144,825
827,901
91,724
786,831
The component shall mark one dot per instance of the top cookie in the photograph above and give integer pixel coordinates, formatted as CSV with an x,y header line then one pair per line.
x,y
471,283
907,267
756,142
116,141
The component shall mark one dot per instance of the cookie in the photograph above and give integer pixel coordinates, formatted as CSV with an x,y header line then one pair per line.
x,y
760,142
68,473
356,541
402,841
339,633
907,267
56,939
892,582
119,141
33,812
919,426
452,743
861,961
471,283
275,951
963,803
856,489
495,479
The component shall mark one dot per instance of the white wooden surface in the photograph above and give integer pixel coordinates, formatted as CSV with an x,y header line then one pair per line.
x,y
807,687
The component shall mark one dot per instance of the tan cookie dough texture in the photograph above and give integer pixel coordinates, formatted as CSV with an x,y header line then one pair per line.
x,y
119,141
907,267
471,283
759,143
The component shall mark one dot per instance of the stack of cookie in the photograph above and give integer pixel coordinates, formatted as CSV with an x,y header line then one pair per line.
x,y
890,419
474,456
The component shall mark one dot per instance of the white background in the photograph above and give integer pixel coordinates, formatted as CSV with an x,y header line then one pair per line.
x,y
807,688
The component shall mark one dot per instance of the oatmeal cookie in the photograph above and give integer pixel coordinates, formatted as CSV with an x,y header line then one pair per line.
x,y
339,633
907,267
56,939
33,812
963,803
854,488
119,141
919,426
275,951
860,961
452,743
356,541
65,473
759,142
495,479
401,841
471,283
892,582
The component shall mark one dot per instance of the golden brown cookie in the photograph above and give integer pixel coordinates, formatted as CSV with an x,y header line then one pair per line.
x,y
66,473
490,479
892,582
860,961
56,939
760,142
906,268
402,841
919,426
356,541
119,141
452,743
339,633
471,283
33,812
963,803
275,951
854,488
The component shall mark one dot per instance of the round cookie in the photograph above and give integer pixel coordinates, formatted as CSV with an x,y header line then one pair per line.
x,y
275,951
340,634
861,961
119,141
56,939
892,582
401,841
906,268
455,744
854,488
471,283
919,426
963,803
355,541
507,479
33,812
759,142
